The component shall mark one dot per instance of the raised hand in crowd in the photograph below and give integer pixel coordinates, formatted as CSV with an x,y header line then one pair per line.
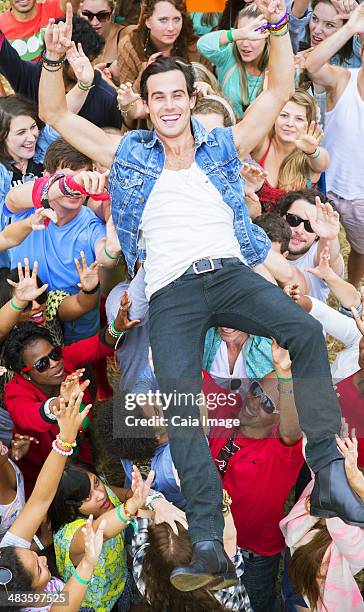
x,y
94,183
20,445
127,97
72,385
166,512
122,321
310,138
254,176
344,8
26,289
348,447
58,36
325,221
36,220
94,540
89,275
281,360
80,64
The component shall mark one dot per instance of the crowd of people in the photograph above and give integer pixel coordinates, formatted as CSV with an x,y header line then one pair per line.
x,y
179,185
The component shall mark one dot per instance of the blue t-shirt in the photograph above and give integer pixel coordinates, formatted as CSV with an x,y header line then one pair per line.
x,y
55,249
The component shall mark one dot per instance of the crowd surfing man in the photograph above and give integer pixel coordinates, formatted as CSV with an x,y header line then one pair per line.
x,y
180,186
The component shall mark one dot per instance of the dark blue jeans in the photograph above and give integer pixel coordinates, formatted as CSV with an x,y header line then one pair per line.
x,y
259,579
235,297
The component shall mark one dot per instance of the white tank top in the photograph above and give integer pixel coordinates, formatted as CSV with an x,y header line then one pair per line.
x,y
318,287
344,140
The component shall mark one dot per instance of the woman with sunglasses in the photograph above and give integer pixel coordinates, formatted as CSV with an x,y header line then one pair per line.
x,y
260,456
41,371
21,569
291,154
99,13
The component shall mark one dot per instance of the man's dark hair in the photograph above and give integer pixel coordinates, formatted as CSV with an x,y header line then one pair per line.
x,y
276,228
123,442
60,155
166,64
285,202
18,340
83,32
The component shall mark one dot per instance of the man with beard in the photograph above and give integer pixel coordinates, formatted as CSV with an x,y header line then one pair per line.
x,y
311,233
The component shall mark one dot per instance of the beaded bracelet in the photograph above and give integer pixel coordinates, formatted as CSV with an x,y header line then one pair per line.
x,y
128,521
60,451
65,444
53,63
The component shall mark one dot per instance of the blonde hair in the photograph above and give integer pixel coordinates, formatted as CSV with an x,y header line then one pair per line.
x,y
295,170
205,75
251,11
215,104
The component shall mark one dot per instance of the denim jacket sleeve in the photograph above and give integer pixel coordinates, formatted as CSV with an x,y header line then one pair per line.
x,y
46,136
297,29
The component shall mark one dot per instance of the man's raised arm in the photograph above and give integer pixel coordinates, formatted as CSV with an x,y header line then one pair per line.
x,y
260,117
80,133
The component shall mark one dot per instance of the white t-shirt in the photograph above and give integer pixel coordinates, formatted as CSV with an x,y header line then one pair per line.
x,y
9,512
185,219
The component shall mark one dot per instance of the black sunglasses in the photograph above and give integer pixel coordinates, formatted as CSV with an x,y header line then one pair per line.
x,y
101,16
41,299
265,401
295,221
44,363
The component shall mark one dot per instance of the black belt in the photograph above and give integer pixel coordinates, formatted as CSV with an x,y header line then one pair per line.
x,y
201,266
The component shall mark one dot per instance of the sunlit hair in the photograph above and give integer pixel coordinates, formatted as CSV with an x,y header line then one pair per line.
x,y
185,38
304,567
166,551
251,11
295,170
205,75
217,105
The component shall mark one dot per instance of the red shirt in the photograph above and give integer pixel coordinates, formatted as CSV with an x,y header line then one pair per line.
x,y
352,408
27,36
24,401
258,479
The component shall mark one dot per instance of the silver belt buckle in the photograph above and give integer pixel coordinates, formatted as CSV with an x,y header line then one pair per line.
x,y
210,269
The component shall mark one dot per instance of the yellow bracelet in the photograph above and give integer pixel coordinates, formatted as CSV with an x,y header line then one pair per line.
x,y
65,444
128,514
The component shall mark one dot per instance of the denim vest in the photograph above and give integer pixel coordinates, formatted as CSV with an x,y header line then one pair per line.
x,y
139,162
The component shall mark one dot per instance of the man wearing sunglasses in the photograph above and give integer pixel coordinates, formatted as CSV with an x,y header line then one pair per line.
x,y
314,225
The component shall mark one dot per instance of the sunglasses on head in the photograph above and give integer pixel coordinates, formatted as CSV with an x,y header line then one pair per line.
x,y
101,16
295,221
44,363
265,401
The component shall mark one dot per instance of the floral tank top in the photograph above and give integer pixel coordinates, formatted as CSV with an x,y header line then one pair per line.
x,y
110,573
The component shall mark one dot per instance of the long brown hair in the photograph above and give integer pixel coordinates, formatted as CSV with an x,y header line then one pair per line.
x,y
165,552
251,11
10,107
295,170
304,567
183,41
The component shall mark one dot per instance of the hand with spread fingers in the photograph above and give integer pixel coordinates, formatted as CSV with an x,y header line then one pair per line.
x,y
310,138
127,97
122,321
72,385
69,416
348,447
89,275
36,220
325,221
20,445
255,177
80,64
323,269
26,289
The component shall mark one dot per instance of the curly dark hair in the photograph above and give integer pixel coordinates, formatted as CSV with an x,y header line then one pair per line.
x,y
165,552
285,202
130,443
83,32
10,107
18,340
61,155
276,228
22,579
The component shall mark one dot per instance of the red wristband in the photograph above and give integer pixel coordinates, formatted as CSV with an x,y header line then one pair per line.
x,y
72,185
37,192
